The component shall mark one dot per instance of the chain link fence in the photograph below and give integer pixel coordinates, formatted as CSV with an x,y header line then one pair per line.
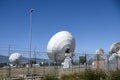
x,y
41,65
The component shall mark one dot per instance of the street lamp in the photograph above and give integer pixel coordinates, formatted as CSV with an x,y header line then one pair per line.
x,y
31,10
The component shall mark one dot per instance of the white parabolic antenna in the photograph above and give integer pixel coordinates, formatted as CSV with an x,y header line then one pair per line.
x,y
115,47
114,56
114,51
99,54
59,44
15,58
99,51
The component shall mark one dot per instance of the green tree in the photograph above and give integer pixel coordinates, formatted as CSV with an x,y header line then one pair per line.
x,y
82,59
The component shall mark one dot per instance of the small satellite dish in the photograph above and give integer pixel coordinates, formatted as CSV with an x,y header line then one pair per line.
x,y
115,47
61,43
99,59
99,54
99,51
15,58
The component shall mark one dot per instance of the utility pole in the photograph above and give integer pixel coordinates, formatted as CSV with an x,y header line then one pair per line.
x,y
31,10
9,70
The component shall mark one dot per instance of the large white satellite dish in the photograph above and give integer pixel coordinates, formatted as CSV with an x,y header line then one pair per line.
x,y
114,51
15,58
59,44
114,56
115,47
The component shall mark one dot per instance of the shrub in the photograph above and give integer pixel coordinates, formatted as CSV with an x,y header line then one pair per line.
x,y
48,77
113,75
72,76
93,75
85,75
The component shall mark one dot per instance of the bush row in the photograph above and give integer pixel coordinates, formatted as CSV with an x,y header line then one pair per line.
x,y
88,75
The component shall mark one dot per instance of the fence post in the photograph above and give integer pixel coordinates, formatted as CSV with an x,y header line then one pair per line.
x,y
34,62
55,65
117,62
108,61
98,61
85,61
44,66
79,63
9,69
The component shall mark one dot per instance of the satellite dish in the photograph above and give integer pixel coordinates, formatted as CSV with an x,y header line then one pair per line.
x,y
99,51
59,44
113,57
114,51
15,58
99,54
99,59
115,47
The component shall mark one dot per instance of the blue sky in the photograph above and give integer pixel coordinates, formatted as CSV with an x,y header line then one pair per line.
x,y
94,23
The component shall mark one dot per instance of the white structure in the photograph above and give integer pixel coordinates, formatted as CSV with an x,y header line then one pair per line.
x,y
115,47
114,58
58,46
99,51
114,51
67,61
99,55
99,60
15,59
